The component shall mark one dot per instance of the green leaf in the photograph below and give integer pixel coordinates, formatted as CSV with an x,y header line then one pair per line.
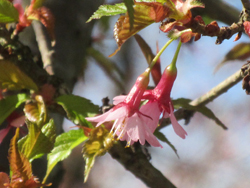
x,y
78,108
9,104
38,141
64,145
130,10
12,78
8,13
108,10
184,103
163,138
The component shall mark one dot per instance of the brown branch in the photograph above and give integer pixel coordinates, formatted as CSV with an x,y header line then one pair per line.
x,y
44,46
213,30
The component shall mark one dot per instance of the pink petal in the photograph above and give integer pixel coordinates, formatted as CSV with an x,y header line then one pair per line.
x,y
3,133
135,130
119,99
177,127
99,118
152,140
152,110
117,113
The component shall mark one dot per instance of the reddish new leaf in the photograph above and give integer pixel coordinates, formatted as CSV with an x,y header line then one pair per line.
x,y
21,168
144,15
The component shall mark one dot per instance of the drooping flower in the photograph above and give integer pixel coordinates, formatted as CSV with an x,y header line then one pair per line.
x,y
129,123
159,100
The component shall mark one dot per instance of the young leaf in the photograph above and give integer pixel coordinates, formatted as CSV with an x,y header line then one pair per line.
x,y
77,108
12,78
184,103
35,111
38,141
144,15
21,168
163,138
100,141
239,52
8,13
9,104
108,10
63,147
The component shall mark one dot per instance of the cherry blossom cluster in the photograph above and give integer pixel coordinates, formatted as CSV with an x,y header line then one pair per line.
x,y
135,122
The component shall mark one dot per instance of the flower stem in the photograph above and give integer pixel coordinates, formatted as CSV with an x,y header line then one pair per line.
x,y
159,54
172,66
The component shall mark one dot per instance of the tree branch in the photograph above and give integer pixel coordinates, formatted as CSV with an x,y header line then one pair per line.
x,y
44,46
138,164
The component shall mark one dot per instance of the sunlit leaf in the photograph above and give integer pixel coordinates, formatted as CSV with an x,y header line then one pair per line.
x,y
63,147
240,51
144,15
10,103
100,141
12,78
184,103
163,138
77,108
8,13
108,10
38,141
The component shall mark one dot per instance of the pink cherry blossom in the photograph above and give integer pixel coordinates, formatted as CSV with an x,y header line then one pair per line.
x,y
129,123
159,100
